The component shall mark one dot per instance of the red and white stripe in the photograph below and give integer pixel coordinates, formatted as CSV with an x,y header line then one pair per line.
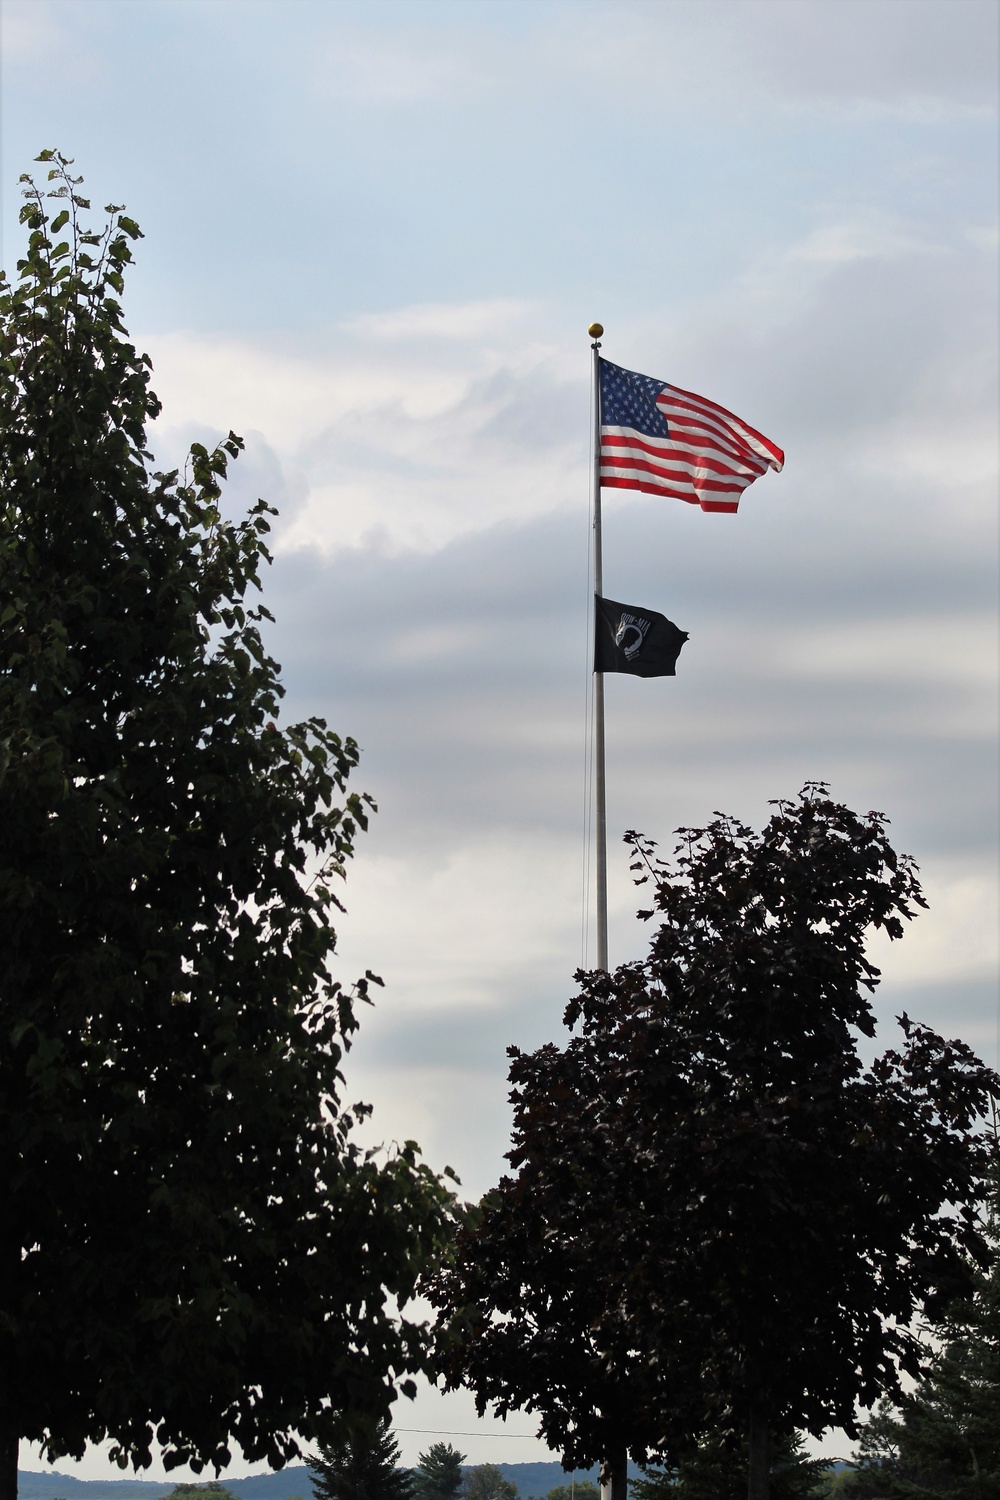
x,y
709,459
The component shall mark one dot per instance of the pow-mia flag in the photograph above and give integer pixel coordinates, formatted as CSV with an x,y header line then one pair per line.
x,y
630,639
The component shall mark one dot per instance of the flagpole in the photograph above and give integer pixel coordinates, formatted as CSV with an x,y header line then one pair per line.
x,y
595,330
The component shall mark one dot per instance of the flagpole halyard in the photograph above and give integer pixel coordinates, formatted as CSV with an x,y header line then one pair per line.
x,y
596,330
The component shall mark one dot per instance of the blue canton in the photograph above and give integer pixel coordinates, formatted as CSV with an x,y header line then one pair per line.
x,y
629,400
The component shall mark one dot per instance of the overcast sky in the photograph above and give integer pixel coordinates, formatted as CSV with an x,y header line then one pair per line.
x,y
375,235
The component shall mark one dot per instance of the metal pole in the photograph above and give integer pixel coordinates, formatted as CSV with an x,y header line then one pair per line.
x,y
595,330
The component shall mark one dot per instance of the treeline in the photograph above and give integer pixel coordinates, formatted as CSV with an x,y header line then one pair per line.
x,y
366,1467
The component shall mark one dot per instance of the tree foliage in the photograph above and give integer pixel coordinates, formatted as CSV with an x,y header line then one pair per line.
x,y
438,1475
212,1490
718,1219
486,1482
578,1489
716,1470
362,1465
193,1248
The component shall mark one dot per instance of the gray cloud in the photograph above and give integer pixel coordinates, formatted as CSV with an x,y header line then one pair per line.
x,y
865,49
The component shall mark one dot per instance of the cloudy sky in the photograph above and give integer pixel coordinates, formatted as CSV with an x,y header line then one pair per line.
x,y
375,235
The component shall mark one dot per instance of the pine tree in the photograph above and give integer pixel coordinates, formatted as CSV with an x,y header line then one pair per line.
x,y
364,1465
943,1438
438,1475
718,1472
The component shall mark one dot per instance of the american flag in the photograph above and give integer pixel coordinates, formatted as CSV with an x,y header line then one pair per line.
x,y
658,438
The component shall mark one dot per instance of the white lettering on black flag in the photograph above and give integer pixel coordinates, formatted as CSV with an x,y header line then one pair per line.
x,y
630,639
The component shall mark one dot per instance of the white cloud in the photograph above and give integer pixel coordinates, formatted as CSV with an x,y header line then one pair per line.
x,y
920,648
411,444
30,33
932,60
466,925
985,237
945,435
858,239
470,321
788,277
384,71
289,396
391,435
853,59
957,938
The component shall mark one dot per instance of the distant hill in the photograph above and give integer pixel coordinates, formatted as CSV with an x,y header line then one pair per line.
x,y
531,1479
538,1479
55,1486
52,1485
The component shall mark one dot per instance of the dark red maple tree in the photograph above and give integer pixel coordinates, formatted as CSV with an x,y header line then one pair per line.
x,y
719,1219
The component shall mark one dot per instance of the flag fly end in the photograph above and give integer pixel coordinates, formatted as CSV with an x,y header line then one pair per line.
x,y
663,440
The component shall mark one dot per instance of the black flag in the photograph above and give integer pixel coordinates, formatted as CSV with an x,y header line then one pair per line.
x,y
630,639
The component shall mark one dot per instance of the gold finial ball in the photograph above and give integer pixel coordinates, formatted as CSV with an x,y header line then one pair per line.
x,y
595,330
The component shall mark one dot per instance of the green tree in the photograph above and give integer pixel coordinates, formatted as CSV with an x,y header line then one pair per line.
x,y
193,1247
212,1490
836,1483
719,1220
486,1482
718,1471
362,1465
438,1475
943,1437
577,1489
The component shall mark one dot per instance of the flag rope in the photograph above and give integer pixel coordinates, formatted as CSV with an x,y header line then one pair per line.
x,y
588,746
